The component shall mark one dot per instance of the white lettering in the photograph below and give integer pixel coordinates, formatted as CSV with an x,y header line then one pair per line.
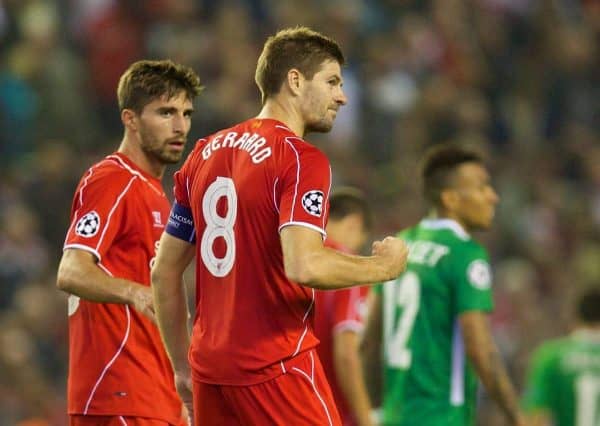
x,y
216,142
229,139
426,252
260,142
249,142
241,140
263,154
206,151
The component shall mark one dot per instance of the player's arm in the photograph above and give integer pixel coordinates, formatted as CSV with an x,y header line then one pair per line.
x,y
486,360
370,346
349,373
80,275
308,262
172,258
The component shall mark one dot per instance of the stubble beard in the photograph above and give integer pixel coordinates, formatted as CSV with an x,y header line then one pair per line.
x,y
319,126
159,150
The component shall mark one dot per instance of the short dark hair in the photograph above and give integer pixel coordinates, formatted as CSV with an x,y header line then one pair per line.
x,y
439,164
298,47
345,201
588,307
145,81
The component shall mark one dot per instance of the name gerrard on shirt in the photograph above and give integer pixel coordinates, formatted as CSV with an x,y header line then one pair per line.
x,y
249,142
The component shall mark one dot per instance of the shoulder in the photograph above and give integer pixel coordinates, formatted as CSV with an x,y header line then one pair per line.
x,y
110,171
550,350
296,151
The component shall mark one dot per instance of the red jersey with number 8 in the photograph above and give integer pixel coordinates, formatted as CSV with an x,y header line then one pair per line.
x,y
243,185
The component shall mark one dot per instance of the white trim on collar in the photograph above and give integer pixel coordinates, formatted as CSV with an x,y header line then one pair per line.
x,y
446,224
587,334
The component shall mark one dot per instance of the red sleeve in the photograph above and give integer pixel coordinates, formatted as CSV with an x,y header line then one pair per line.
x,y
98,211
304,186
349,307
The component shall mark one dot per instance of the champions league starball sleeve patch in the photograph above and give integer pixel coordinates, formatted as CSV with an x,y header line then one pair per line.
x,y
312,201
479,274
88,225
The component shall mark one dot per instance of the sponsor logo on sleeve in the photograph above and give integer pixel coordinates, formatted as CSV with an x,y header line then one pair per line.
x,y
88,225
312,201
479,274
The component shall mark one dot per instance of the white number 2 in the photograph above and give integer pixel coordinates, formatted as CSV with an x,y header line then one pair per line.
x,y
587,389
403,294
218,226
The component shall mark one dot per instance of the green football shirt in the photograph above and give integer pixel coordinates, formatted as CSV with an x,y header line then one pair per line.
x,y
564,380
427,379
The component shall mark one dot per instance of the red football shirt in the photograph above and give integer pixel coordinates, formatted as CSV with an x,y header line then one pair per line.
x,y
117,362
337,311
243,185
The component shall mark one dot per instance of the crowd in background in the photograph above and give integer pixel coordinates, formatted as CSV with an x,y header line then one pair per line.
x,y
516,78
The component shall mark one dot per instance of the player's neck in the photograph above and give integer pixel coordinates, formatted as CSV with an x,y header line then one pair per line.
x,y
445,214
134,152
279,109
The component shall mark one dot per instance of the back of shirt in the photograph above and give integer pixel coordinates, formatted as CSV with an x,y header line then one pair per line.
x,y
243,185
564,380
427,377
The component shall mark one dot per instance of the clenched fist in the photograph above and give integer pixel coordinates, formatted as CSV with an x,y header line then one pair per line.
x,y
392,253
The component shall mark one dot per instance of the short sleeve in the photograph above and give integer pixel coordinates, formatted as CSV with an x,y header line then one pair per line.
x,y
538,389
349,309
304,186
181,186
472,278
98,212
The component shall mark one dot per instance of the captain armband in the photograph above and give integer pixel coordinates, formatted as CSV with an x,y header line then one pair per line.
x,y
181,224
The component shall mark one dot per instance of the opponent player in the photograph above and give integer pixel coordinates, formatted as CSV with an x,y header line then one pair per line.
x,y
563,386
251,202
119,373
340,314
435,328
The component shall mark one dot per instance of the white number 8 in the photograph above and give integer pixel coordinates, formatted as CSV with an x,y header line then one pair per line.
x,y
217,226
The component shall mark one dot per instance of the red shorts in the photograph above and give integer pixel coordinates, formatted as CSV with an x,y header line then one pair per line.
x,y
76,420
299,397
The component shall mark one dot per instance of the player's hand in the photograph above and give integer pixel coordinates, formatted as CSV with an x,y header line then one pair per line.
x,y
183,384
141,299
393,252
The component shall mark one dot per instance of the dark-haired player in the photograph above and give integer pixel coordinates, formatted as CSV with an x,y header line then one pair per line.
x,y
563,386
251,203
119,373
436,336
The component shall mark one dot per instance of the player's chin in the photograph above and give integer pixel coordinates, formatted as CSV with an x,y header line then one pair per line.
x,y
171,157
323,126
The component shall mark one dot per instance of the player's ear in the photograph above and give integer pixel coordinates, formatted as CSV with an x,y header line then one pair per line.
x,y
449,199
128,118
294,81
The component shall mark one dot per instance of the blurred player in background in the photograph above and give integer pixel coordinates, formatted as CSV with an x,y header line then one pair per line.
x,y
251,202
436,336
119,373
339,314
563,386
